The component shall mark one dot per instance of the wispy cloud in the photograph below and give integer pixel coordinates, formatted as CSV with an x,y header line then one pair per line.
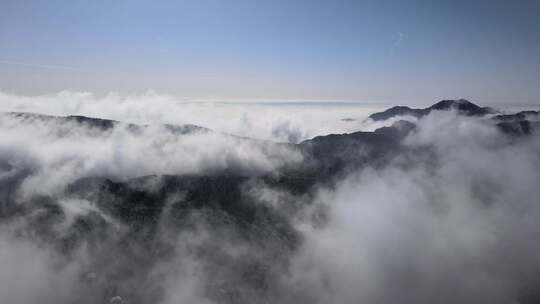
x,y
40,66
399,39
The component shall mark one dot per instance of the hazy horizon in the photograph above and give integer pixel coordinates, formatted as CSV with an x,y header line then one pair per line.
x,y
269,101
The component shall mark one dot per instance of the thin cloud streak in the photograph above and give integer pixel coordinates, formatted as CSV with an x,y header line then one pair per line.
x,y
399,40
40,66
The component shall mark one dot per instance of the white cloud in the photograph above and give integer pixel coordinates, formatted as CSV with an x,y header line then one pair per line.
x,y
278,122
453,221
459,229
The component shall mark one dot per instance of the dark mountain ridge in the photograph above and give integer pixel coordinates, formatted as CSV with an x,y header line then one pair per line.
x,y
517,124
462,106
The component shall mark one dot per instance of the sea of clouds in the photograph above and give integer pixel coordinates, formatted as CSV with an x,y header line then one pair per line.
x,y
283,121
459,228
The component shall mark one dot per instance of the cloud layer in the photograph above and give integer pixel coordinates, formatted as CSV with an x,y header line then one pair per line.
x,y
285,122
459,230
452,218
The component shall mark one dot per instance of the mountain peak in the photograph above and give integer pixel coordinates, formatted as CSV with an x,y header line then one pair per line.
x,y
460,104
463,106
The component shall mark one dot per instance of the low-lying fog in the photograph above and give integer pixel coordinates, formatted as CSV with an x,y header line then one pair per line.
x,y
450,218
281,121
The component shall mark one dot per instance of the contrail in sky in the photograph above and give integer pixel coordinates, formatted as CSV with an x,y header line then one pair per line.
x,y
40,66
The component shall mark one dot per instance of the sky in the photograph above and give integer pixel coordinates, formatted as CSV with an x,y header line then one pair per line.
x,y
412,52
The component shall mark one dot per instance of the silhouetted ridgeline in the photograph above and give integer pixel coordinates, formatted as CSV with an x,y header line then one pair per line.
x,y
464,107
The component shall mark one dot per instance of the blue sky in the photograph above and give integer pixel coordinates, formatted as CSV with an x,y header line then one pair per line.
x,y
388,51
